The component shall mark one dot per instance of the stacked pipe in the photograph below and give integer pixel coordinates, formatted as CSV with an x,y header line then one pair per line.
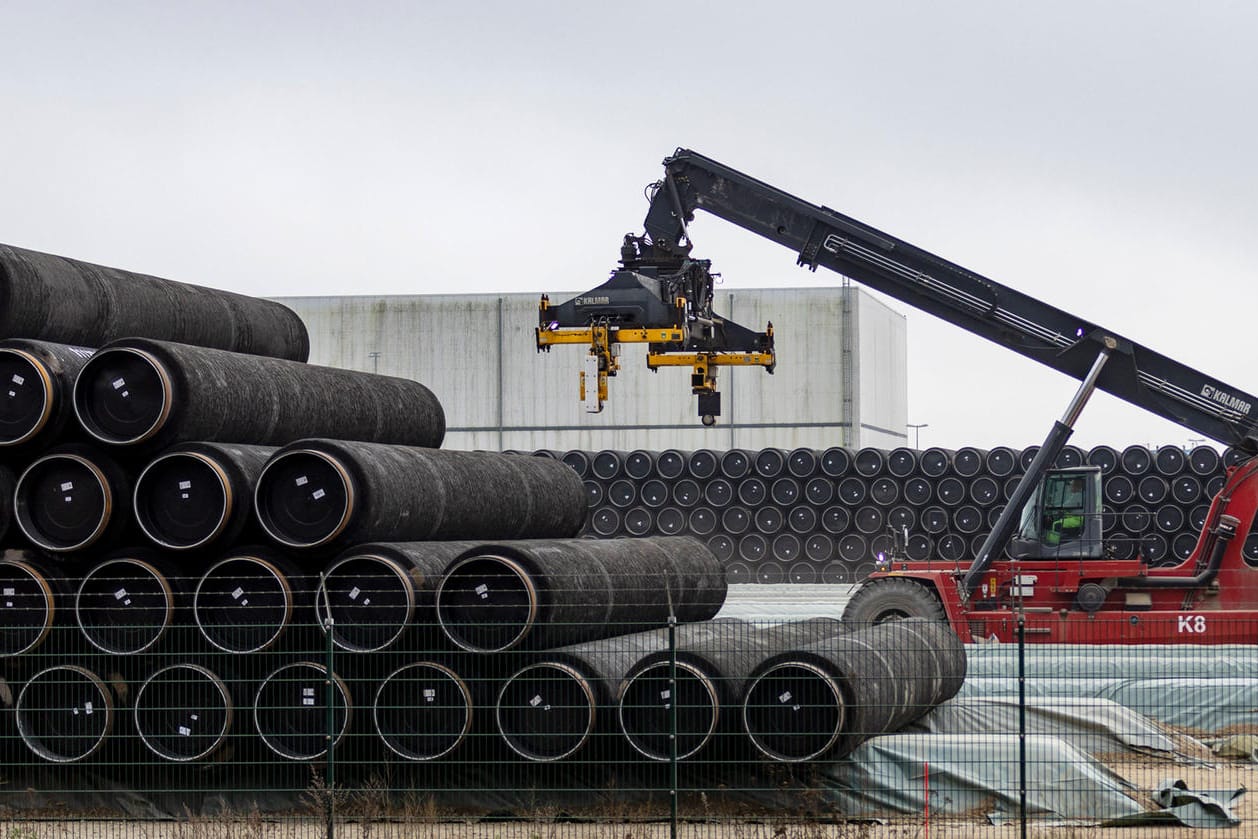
x,y
809,515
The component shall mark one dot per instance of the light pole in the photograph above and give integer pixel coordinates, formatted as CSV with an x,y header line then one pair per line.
x,y
374,355
917,432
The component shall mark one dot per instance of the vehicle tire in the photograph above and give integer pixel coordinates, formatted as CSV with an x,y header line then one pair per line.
x,y
891,598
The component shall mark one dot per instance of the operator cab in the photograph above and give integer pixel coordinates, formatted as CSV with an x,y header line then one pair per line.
x,y
1063,519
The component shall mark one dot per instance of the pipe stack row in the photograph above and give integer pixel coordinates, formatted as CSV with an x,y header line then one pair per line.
x,y
809,515
127,663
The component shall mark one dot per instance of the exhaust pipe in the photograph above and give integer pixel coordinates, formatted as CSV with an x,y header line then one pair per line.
x,y
137,392
291,712
183,713
422,711
318,493
64,714
199,494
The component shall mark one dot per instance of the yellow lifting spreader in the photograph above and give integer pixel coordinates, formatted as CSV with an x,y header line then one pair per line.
x,y
630,308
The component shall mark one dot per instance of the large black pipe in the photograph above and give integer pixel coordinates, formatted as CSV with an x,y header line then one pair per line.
x,y
819,548
54,298
836,519
803,463
935,462
1001,461
1105,457
640,463
1135,460
819,491
828,696
670,522
608,464
37,399
702,464
547,593
32,597
770,463
769,520
752,491
870,461
686,492
1169,460
375,591
198,495
918,491
670,464
736,463
319,493
423,711
245,602
605,522
902,462
835,462
968,461
183,712
754,548
64,713
1204,461
291,711
802,519
71,499
125,605
714,660
136,392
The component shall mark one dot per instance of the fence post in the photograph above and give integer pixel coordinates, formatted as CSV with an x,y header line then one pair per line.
x,y
1022,723
672,723
329,774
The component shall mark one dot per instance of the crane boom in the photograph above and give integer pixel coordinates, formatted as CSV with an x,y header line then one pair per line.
x,y
1016,321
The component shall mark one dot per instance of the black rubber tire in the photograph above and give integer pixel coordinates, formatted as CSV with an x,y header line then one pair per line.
x,y
891,598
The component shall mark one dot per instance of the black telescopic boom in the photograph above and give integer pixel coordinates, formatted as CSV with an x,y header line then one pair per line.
x,y
72,302
1016,321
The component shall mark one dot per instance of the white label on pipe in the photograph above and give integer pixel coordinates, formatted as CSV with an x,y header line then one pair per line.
x,y
8,604
483,591
10,592
195,717
317,494
302,481
535,701
245,602
785,697
184,731
236,594
307,696
120,593
185,485
119,383
430,694
354,592
17,380
87,708
307,691
307,700
67,486
666,694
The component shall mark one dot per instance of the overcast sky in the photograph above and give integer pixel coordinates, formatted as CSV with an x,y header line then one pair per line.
x,y
1099,156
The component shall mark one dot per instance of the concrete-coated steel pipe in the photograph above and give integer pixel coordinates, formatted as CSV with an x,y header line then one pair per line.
x,y
422,711
54,298
71,499
245,602
547,593
125,605
321,493
198,495
64,713
37,400
183,712
153,394
291,712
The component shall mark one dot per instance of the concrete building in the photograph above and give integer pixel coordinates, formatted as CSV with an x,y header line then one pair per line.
x,y
840,379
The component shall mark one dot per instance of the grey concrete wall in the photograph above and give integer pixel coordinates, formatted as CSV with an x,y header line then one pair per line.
x,y
477,354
